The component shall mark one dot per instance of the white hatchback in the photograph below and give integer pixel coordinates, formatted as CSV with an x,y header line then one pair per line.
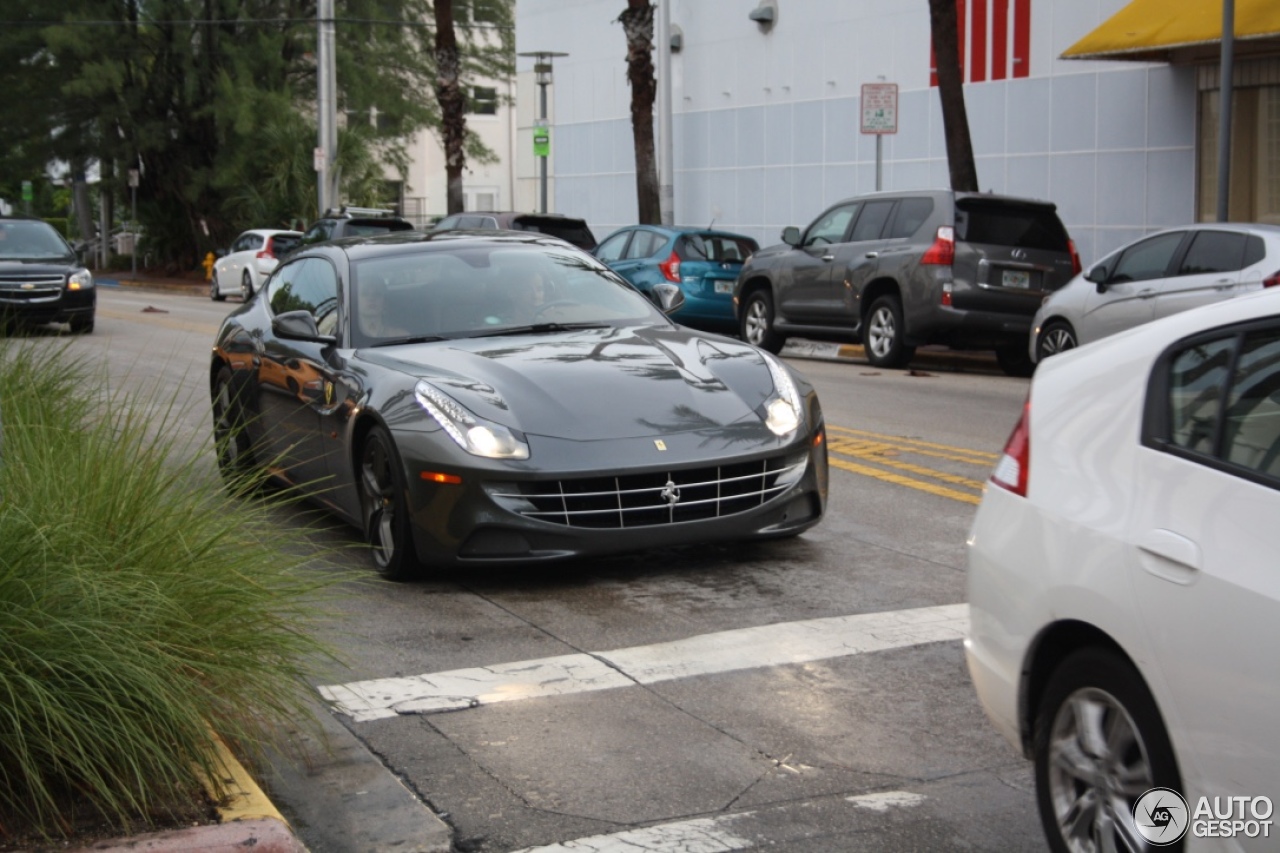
x,y
1124,585
1159,275
252,257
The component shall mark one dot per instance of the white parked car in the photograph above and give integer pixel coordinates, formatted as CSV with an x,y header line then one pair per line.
x,y
1124,584
252,257
1162,274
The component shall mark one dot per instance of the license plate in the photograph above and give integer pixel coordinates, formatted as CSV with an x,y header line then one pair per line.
x,y
1016,278
724,287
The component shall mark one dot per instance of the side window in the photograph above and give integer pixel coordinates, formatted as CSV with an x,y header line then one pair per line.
x,y
448,222
871,222
611,249
831,226
1251,429
1148,259
1222,401
309,284
911,214
644,244
1214,251
252,242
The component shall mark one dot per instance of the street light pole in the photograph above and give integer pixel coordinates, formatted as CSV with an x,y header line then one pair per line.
x,y
541,131
326,107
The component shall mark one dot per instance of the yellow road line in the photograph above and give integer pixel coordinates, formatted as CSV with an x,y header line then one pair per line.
x,y
925,448
875,452
899,480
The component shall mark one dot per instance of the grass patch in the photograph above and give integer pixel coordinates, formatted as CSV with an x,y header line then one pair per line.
x,y
141,605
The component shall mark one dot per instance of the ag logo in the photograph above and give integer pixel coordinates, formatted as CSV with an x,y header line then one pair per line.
x,y
1160,816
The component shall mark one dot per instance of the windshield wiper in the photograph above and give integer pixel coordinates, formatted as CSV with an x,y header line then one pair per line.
x,y
539,328
408,339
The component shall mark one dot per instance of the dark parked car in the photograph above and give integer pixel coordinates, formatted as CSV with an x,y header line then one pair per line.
x,y
900,270
567,228
42,279
704,264
470,398
353,222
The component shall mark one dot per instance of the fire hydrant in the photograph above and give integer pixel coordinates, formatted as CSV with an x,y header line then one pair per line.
x,y
209,260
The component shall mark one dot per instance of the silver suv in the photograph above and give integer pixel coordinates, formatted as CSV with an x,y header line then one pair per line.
x,y
900,270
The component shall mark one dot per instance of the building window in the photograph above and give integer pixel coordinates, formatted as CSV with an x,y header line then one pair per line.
x,y
479,11
484,101
1255,155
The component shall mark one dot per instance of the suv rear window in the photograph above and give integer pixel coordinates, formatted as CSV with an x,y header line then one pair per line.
x,y
282,244
1014,225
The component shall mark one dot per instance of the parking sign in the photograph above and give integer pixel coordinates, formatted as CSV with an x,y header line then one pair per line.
x,y
879,107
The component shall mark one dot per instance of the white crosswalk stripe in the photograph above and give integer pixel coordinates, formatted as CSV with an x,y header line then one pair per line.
x,y
725,651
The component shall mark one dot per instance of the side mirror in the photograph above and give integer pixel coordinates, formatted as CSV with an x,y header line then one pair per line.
x,y
667,296
299,326
791,235
1098,275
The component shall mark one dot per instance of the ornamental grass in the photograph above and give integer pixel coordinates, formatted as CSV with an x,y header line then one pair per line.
x,y
142,606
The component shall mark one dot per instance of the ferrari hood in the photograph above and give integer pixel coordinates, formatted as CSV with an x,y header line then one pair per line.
x,y
595,383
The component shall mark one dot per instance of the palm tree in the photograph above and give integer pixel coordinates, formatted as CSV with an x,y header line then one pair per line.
x,y
453,104
637,23
955,120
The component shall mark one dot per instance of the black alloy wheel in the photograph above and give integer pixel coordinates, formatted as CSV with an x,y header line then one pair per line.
x,y
883,331
1058,336
756,325
385,508
231,442
1099,745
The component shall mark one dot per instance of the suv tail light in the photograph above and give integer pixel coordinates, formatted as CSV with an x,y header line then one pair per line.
x,y
268,251
1014,468
671,268
1272,280
943,250
1075,258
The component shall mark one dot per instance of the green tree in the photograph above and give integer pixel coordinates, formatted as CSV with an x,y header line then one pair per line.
x,y
213,101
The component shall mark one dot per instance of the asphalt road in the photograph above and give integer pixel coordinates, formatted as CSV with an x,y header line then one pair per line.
x,y
807,695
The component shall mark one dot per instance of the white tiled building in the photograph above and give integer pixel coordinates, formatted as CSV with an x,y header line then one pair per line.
x,y
766,119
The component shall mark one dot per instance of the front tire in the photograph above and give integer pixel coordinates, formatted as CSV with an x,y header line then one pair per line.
x,y
385,508
214,293
1057,337
1014,360
246,287
756,325
1099,745
883,339
231,442
81,324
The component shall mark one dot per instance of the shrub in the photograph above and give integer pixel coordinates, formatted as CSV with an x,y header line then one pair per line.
x,y
141,606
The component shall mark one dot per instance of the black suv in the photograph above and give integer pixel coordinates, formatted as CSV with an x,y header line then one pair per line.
x,y
567,228
900,270
41,278
353,222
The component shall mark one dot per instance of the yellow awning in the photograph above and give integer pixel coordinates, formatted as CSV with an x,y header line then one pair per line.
x,y
1150,28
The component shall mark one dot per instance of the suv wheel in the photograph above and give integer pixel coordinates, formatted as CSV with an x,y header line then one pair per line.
x,y
1014,360
757,323
81,324
882,339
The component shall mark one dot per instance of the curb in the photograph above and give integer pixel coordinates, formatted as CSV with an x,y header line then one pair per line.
x,y
936,358
249,820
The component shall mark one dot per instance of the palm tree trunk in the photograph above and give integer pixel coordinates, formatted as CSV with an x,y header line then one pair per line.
x,y
955,120
453,104
637,23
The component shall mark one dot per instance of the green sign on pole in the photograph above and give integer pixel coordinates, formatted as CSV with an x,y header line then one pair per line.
x,y
542,142
26,191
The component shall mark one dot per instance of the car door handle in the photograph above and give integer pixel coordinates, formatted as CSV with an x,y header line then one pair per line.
x,y
1147,294
1169,555
872,255
828,257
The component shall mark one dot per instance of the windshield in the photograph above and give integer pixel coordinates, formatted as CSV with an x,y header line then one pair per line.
x,y
483,290
31,240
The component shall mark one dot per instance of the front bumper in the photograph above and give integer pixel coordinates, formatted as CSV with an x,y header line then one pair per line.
x,y
504,515
52,304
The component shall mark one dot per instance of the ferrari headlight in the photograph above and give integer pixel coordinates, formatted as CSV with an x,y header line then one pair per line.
x,y
782,411
472,433
80,280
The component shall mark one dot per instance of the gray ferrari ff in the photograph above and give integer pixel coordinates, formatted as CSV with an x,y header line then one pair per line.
x,y
478,397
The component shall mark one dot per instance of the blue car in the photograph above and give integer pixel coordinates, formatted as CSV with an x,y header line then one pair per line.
x,y
704,263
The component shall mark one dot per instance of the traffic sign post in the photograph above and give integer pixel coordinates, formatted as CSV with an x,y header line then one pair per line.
x,y
879,116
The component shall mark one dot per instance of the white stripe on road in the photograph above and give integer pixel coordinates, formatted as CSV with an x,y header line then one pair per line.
x,y
704,835
725,651
710,835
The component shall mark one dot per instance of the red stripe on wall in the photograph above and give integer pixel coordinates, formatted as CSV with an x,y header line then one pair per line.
x,y
978,44
1022,38
933,63
1000,40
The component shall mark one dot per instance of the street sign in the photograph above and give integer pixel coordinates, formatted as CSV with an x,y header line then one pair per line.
x,y
879,107
317,159
26,191
542,142
133,177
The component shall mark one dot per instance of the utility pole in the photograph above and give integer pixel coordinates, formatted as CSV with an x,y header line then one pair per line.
x,y
326,109
666,155
541,131
1224,109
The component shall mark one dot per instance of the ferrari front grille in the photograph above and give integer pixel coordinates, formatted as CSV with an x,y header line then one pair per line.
x,y
645,500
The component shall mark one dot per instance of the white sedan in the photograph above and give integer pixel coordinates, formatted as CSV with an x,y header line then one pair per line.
x,y
1159,275
252,257
1124,585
